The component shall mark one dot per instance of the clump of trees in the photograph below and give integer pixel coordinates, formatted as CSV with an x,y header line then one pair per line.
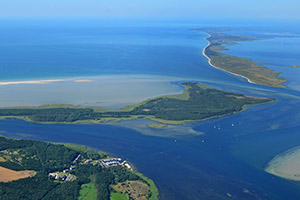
x,y
202,103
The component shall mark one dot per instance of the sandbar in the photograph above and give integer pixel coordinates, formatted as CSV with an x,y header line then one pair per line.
x,y
31,82
83,81
286,165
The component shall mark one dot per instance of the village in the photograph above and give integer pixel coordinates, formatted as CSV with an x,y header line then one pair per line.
x,y
67,176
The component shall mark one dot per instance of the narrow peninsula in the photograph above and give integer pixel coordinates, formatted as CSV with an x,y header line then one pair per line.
x,y
243,67
197,102
42,170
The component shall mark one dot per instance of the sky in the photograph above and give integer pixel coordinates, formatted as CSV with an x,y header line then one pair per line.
x,y
266,9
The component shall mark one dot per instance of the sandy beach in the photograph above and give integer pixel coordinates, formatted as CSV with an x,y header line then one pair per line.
x,y
286,165
209,62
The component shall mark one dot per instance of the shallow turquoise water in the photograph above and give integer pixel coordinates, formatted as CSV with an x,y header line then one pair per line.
x,y
112,91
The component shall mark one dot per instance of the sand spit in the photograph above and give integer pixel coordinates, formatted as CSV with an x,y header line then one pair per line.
x,y
209,62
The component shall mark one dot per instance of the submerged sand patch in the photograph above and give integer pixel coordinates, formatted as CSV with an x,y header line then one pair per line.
x,y
286,165
83,81
7,175
109,91
31,82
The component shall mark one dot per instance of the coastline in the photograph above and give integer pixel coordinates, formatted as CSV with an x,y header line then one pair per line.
x,y
209,62
156,123
80,150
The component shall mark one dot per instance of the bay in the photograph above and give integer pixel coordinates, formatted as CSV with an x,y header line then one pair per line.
x,y
228,159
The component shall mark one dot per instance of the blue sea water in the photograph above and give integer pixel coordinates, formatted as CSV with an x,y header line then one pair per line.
x,y
48,51
228,159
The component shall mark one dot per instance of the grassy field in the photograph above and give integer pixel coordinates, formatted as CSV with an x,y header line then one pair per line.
x,y
255,72
88,192
118,196
7,175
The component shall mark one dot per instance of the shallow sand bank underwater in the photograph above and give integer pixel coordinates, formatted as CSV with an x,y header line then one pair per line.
x,y
110,91
30,82
286,165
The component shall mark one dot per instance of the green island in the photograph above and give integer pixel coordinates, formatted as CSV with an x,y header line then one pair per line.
x,y
295,66
253,72
41,170
195,103
157,126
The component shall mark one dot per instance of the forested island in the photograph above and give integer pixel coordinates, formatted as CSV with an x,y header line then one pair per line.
x,y
40,170
196,102
254,72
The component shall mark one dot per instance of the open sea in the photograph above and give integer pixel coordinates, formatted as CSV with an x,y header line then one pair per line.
x,y
227,160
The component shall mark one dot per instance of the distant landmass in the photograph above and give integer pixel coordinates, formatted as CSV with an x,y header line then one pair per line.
x,y
295,66
197,102
40,170
253,72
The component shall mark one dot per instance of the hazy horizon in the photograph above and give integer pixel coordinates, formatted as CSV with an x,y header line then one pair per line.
x,y
268,9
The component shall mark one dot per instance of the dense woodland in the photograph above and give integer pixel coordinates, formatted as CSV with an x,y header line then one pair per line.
x,y
202,103
46,157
